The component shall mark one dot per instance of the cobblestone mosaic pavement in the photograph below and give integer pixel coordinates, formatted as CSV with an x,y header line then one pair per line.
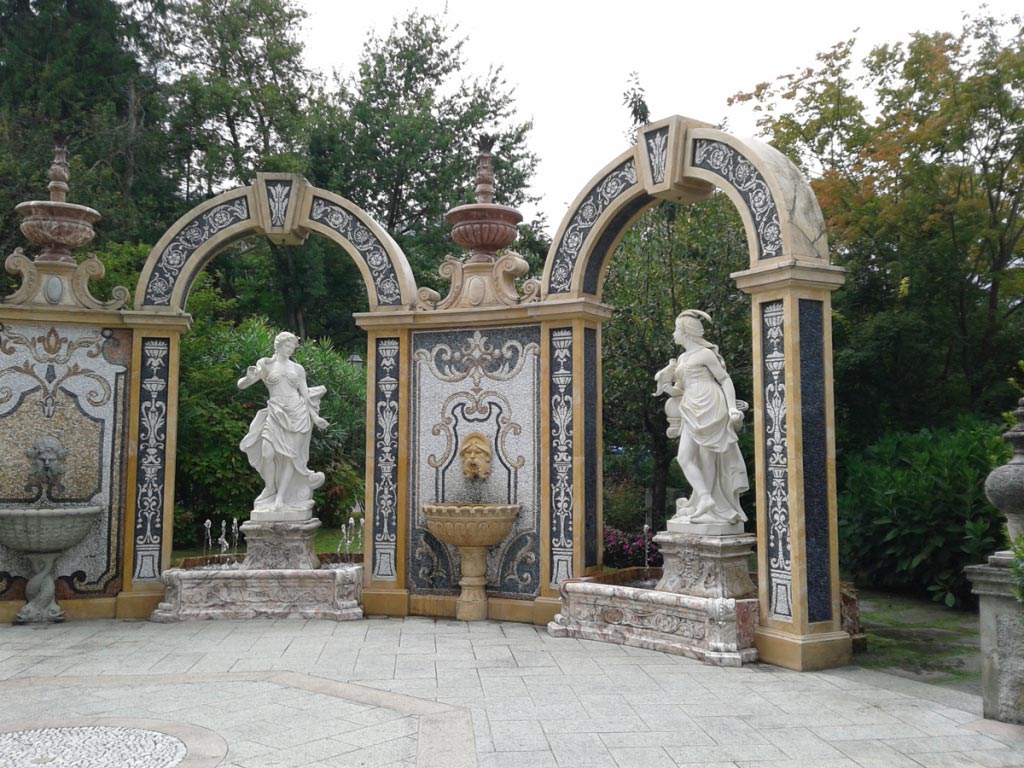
x,y
392,692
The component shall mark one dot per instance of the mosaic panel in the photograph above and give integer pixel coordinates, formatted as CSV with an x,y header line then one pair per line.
x,y
385,461
815,460
591,478
278,198
776,453
561,453
152,459
369,246
66,383
743,176
198,232
92,746
599,199
484,381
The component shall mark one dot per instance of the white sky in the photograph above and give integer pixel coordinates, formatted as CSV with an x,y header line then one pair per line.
x,y
569,61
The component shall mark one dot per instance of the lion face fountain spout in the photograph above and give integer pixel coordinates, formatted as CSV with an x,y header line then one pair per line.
x,y
472,527
45,530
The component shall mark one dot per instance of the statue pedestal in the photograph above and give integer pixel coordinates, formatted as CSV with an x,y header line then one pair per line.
x,y
280,545
281,578
1002,639
706,565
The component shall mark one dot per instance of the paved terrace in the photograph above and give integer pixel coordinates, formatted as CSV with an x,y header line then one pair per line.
x,y
446,694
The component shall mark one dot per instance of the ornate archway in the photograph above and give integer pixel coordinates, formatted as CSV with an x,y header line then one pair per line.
x,y
790,283
286,209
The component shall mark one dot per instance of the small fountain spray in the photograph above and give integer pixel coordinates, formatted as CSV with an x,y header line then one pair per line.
x,y
207,541
222,541
234,537
342,543
647,548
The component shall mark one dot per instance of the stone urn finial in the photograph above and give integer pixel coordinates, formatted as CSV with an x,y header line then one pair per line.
x,y
55,225
1004,486
484,227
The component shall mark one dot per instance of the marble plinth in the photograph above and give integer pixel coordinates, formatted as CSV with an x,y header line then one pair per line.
x,y
328,593
717,631
281,545
707,566
1001,620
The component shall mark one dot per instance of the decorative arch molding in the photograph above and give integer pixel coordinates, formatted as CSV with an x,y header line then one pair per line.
x,y
684,160
286,209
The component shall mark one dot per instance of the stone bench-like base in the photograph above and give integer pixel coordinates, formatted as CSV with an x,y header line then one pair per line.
x,y
327,593
717,631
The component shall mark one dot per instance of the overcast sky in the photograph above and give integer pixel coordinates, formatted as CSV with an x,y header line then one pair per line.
x,y
569,61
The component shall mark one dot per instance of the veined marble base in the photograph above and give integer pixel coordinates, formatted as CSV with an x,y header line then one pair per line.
x,y
717,631
706,565
328,593
281,545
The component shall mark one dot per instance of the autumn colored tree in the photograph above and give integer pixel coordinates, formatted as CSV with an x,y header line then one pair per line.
x,y
918,165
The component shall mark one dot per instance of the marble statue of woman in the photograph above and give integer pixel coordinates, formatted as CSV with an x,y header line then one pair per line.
x,y
704,414
278,440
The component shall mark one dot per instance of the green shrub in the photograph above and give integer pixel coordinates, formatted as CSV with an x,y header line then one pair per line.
x,y
214,479
913,513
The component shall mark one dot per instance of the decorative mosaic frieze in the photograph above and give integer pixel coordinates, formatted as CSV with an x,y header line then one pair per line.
x,y
66,385
657,151
369,246
278,197
385,461
776,453
198,232
485,381
152,459
561,453
598,200
747,180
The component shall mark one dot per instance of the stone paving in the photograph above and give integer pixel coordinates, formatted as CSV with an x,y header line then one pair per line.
x,y
447,694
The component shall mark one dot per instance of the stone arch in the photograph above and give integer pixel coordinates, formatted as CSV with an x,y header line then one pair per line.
x,y
684,160
285,208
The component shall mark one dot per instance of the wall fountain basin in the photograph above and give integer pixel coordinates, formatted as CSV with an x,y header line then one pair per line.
x,y
472,528
42,534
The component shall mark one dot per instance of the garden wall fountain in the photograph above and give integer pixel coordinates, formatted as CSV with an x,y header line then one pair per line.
x,y
515,358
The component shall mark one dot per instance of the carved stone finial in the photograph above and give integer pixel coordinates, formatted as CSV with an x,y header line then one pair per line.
x,y
59,175
1004,485
485,170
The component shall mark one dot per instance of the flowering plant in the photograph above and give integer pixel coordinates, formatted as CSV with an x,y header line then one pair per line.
x,y
623,549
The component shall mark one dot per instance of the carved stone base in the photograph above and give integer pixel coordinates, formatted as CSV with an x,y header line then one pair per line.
x,y
277,546
1001,619
717,631
706,566
330,593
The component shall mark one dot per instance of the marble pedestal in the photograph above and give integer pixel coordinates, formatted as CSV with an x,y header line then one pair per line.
x,y
280,578
708,566
281,545
717,631
1002,639
330,593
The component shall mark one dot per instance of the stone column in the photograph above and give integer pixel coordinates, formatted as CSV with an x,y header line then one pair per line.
x,y
797,543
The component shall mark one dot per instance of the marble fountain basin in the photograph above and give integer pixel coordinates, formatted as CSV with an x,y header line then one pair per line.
x,y
472,528
42,534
